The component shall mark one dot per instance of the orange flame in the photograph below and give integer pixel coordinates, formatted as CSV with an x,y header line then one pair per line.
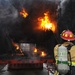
x,y
16,45
35,50
24,13
45,23
17,48
43,54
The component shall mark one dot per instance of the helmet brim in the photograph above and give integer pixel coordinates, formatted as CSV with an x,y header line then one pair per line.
x,y
70,39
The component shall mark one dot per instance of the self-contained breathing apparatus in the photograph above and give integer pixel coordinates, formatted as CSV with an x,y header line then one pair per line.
x,y
62,63
64,59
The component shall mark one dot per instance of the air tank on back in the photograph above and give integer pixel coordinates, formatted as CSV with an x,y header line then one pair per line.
x,y
62,63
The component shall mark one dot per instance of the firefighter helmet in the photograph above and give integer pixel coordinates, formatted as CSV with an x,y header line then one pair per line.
x,y
67,35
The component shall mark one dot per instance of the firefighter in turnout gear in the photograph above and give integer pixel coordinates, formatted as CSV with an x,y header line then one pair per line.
x,y
70,52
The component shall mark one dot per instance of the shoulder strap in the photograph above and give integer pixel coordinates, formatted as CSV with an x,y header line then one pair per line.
x,y
69,46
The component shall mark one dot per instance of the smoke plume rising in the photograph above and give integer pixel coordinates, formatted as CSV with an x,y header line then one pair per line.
x,y
11,23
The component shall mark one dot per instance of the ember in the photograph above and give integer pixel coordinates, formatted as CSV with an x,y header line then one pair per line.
x,y
18,49
35,50
24,13
43,54
16,45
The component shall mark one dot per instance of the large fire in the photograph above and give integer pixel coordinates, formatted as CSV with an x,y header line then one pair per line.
x,y
24,13
45,23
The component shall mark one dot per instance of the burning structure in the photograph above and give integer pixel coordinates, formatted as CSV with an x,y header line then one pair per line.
x,y
33,21
26,21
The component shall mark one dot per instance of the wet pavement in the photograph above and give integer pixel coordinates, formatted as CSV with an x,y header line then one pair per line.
x,y
4,71
25,72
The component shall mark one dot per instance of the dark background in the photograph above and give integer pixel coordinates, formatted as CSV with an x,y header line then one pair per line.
x,y
14,27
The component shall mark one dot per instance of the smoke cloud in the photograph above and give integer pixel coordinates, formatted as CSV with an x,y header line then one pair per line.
x,y
7,11
66,16
10,19
62,5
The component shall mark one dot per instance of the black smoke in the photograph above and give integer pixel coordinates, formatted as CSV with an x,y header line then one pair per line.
x,y
14,27
66,16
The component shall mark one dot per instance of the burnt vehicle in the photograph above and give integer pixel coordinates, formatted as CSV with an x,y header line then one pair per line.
x,y
29,56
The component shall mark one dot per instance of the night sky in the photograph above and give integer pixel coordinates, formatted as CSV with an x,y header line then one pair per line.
x,y
14,27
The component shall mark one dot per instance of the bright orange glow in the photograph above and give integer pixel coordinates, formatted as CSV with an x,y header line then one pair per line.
x,y
35,50
46,23
43,54
16,45
24,13
17,48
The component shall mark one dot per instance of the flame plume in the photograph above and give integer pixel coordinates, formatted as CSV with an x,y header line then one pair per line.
x,y
45,23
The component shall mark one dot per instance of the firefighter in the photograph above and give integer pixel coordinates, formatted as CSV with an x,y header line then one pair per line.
x,y
69,36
